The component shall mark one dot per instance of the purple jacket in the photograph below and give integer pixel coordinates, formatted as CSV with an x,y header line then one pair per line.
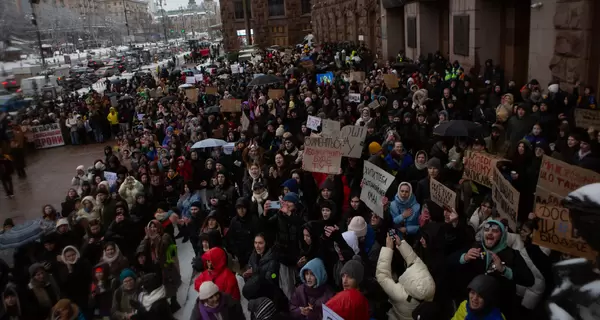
x,y
303,296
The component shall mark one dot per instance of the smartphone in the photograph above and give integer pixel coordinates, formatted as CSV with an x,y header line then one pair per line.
x,y
392,233
275,205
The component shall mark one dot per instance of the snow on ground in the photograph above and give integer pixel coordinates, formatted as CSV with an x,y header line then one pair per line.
x,y
186,296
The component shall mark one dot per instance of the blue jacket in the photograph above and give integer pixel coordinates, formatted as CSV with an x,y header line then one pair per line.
x,y
398,206
407,161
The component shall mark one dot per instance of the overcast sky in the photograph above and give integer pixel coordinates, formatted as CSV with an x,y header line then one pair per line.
x,y
175,4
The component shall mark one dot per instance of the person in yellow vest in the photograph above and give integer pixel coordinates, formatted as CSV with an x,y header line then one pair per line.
x,y
480,303
113,119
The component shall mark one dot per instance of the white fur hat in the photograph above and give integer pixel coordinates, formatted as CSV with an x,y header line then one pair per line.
x,y
207,290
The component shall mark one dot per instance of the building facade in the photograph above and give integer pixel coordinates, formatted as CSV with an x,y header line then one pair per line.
x,y
271,22
547,40
356,21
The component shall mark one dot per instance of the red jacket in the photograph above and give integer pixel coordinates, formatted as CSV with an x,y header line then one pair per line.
x,y
186,171
219,274
350,305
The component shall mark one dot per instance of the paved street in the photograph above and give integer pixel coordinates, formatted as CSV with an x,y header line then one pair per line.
x,y
49,173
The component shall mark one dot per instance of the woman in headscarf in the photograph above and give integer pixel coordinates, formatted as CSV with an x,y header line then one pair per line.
x,y
418,170
162,251
75,278
253,175
114,260
405,210
41,293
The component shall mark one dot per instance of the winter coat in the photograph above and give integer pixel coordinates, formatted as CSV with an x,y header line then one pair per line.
x,y
287,231
232,309
166,259
185,203
349,304
398,206
129,190
265,266
516,272
125,234
160,310
399,166
413,286
35,309
75,285
315,296
240,236
120,306
219,274
462,313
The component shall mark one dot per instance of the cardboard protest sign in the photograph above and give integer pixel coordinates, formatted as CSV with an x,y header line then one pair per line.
x,y
330,128
442,195
506,198
374,104
322,154
307,64
231,105
354,139
391,81
358,76
585,118
375,183
313,123
561,178
275,94
479,167
556,232
354,97
235,68
192,95
328,314
245,121
211,90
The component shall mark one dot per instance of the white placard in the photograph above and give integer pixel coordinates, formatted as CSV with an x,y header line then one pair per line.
x,y
313,123
199,77
354,97
330,128
375,183
190,80
235,68
354,139
111,177
328,314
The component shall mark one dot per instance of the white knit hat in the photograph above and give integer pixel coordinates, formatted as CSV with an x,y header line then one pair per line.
x,y
359,226
207,290
62,222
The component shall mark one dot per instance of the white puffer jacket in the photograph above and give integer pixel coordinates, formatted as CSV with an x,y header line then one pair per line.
x,y
531,295
416,282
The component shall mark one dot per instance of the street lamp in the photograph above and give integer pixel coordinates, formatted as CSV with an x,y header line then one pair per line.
x,y
37,31
160,3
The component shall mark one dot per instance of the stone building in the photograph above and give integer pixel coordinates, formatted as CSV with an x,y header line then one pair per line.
x,y
549,40
348,20
272,22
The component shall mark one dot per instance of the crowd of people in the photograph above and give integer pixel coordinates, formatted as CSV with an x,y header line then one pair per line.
x,y
274,241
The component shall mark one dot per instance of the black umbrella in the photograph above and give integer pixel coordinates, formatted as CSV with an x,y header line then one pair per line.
x,y
167,99
212,110
264,80
456,128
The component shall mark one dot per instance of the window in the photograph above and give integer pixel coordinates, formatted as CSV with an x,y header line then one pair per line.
x,y
306,7
238,6
461,35
276,8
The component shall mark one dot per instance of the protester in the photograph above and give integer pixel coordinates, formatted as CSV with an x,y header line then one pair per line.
x,y
289,226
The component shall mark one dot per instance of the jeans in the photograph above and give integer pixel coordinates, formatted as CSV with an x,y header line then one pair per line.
x,y
98,135
74,137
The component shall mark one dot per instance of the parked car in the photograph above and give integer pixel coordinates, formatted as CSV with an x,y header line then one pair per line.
x,y
106,72
9,83
95,64
13,102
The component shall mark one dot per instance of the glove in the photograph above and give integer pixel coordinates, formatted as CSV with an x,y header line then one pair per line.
x,y
135,304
